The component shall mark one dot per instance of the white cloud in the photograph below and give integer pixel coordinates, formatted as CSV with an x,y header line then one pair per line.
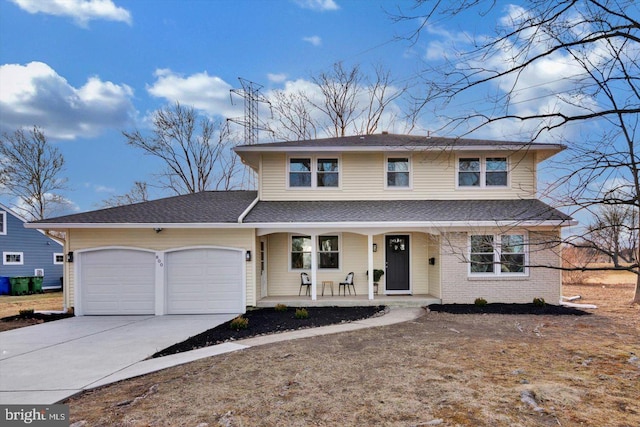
x,y
34,94
82,11
277,78
317,5
200,90
314,40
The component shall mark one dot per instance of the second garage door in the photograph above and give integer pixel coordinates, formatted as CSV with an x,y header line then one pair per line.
x,y
204,281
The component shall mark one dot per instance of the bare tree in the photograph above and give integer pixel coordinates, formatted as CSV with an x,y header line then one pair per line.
x,y
343,101
613,233
30,169
194,149
293,115
340,90
599,43
139,193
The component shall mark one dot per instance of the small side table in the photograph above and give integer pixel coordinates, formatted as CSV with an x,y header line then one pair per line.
x,y
327,283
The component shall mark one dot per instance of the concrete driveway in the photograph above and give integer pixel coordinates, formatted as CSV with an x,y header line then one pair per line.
x,y
45,363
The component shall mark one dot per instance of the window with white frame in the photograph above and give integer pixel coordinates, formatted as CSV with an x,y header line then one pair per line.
x,y
398,172
12,258
58,258
482,172
312,172
3,223
328,252
497,254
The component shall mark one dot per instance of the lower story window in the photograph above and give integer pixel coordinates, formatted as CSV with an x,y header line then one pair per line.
x,y
328,252
503,254
12,258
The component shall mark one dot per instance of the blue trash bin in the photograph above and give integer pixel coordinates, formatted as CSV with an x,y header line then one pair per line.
x,y
5,286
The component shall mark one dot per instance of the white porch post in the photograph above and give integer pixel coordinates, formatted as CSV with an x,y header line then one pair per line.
x,y
370,264
314,267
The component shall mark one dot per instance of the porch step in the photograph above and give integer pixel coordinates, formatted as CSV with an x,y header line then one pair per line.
x,y
351,301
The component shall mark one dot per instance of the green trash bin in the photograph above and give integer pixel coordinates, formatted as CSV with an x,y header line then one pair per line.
x,y
35,285
19,285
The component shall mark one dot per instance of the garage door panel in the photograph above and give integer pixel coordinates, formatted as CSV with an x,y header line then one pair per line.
x,y
205,281
118,281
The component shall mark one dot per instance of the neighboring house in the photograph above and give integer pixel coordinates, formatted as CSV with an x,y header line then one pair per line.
x,y
27,252
449,220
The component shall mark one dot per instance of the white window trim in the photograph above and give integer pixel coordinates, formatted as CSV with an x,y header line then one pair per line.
x,y
3,228
314,172
4,258
291,235
497,252
483,172
386,171
55,255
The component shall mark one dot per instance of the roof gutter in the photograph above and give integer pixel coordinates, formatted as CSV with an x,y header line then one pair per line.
x,y
249,208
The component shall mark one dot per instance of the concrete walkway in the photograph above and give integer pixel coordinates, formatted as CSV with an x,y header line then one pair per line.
x,y
46,363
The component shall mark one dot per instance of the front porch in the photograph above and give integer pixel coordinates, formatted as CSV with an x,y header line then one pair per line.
x,y
351,300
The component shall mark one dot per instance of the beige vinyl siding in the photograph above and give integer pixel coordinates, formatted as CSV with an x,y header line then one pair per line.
x,y
458,287
419,263
283,281
363,177
434,270
353,251
168,238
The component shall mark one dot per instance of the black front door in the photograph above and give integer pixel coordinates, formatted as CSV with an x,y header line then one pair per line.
x,y
397,257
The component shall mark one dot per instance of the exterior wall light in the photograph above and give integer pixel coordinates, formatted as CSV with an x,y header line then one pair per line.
x,y
247,256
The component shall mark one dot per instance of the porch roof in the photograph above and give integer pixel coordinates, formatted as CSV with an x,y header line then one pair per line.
x,y
397,211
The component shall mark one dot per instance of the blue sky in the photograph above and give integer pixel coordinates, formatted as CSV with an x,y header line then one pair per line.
x,y
86,70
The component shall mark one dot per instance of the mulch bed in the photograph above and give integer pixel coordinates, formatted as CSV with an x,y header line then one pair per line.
x,y
267,321
501,308
44,317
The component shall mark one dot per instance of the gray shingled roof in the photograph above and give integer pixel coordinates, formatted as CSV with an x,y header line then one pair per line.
x,y
215,207
404,211
393,140
203,207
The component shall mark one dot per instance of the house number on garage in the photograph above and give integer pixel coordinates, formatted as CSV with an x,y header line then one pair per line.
x,y
159,261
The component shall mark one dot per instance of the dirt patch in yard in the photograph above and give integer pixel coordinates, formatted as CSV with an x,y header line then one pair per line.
x,y
440,369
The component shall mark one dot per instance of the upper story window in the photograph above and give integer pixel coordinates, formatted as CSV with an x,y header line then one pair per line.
x,y
327,173
300,172
482,172
398,170
3,223
308,172
497,254
12,258
58,258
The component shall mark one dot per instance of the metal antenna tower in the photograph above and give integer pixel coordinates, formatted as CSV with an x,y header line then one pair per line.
x,y
251,93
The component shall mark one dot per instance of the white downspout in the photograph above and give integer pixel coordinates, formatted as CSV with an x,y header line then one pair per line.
x,y
370,264
249,208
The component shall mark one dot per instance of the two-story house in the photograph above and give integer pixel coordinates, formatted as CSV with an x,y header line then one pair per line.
x,y
28,252
447,220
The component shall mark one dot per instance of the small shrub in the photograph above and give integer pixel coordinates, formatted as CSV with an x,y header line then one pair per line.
x,y
26,312
239,322
302,313
539,302
480,302
280,307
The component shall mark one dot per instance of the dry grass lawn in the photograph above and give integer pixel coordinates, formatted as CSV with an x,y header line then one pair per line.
x,y
11,306
441,369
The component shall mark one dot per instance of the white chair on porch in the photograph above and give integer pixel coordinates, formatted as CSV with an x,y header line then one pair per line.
x,y
348,282
305,281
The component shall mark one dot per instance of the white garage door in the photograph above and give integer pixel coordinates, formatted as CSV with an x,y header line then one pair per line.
x,y
117,281
204,281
